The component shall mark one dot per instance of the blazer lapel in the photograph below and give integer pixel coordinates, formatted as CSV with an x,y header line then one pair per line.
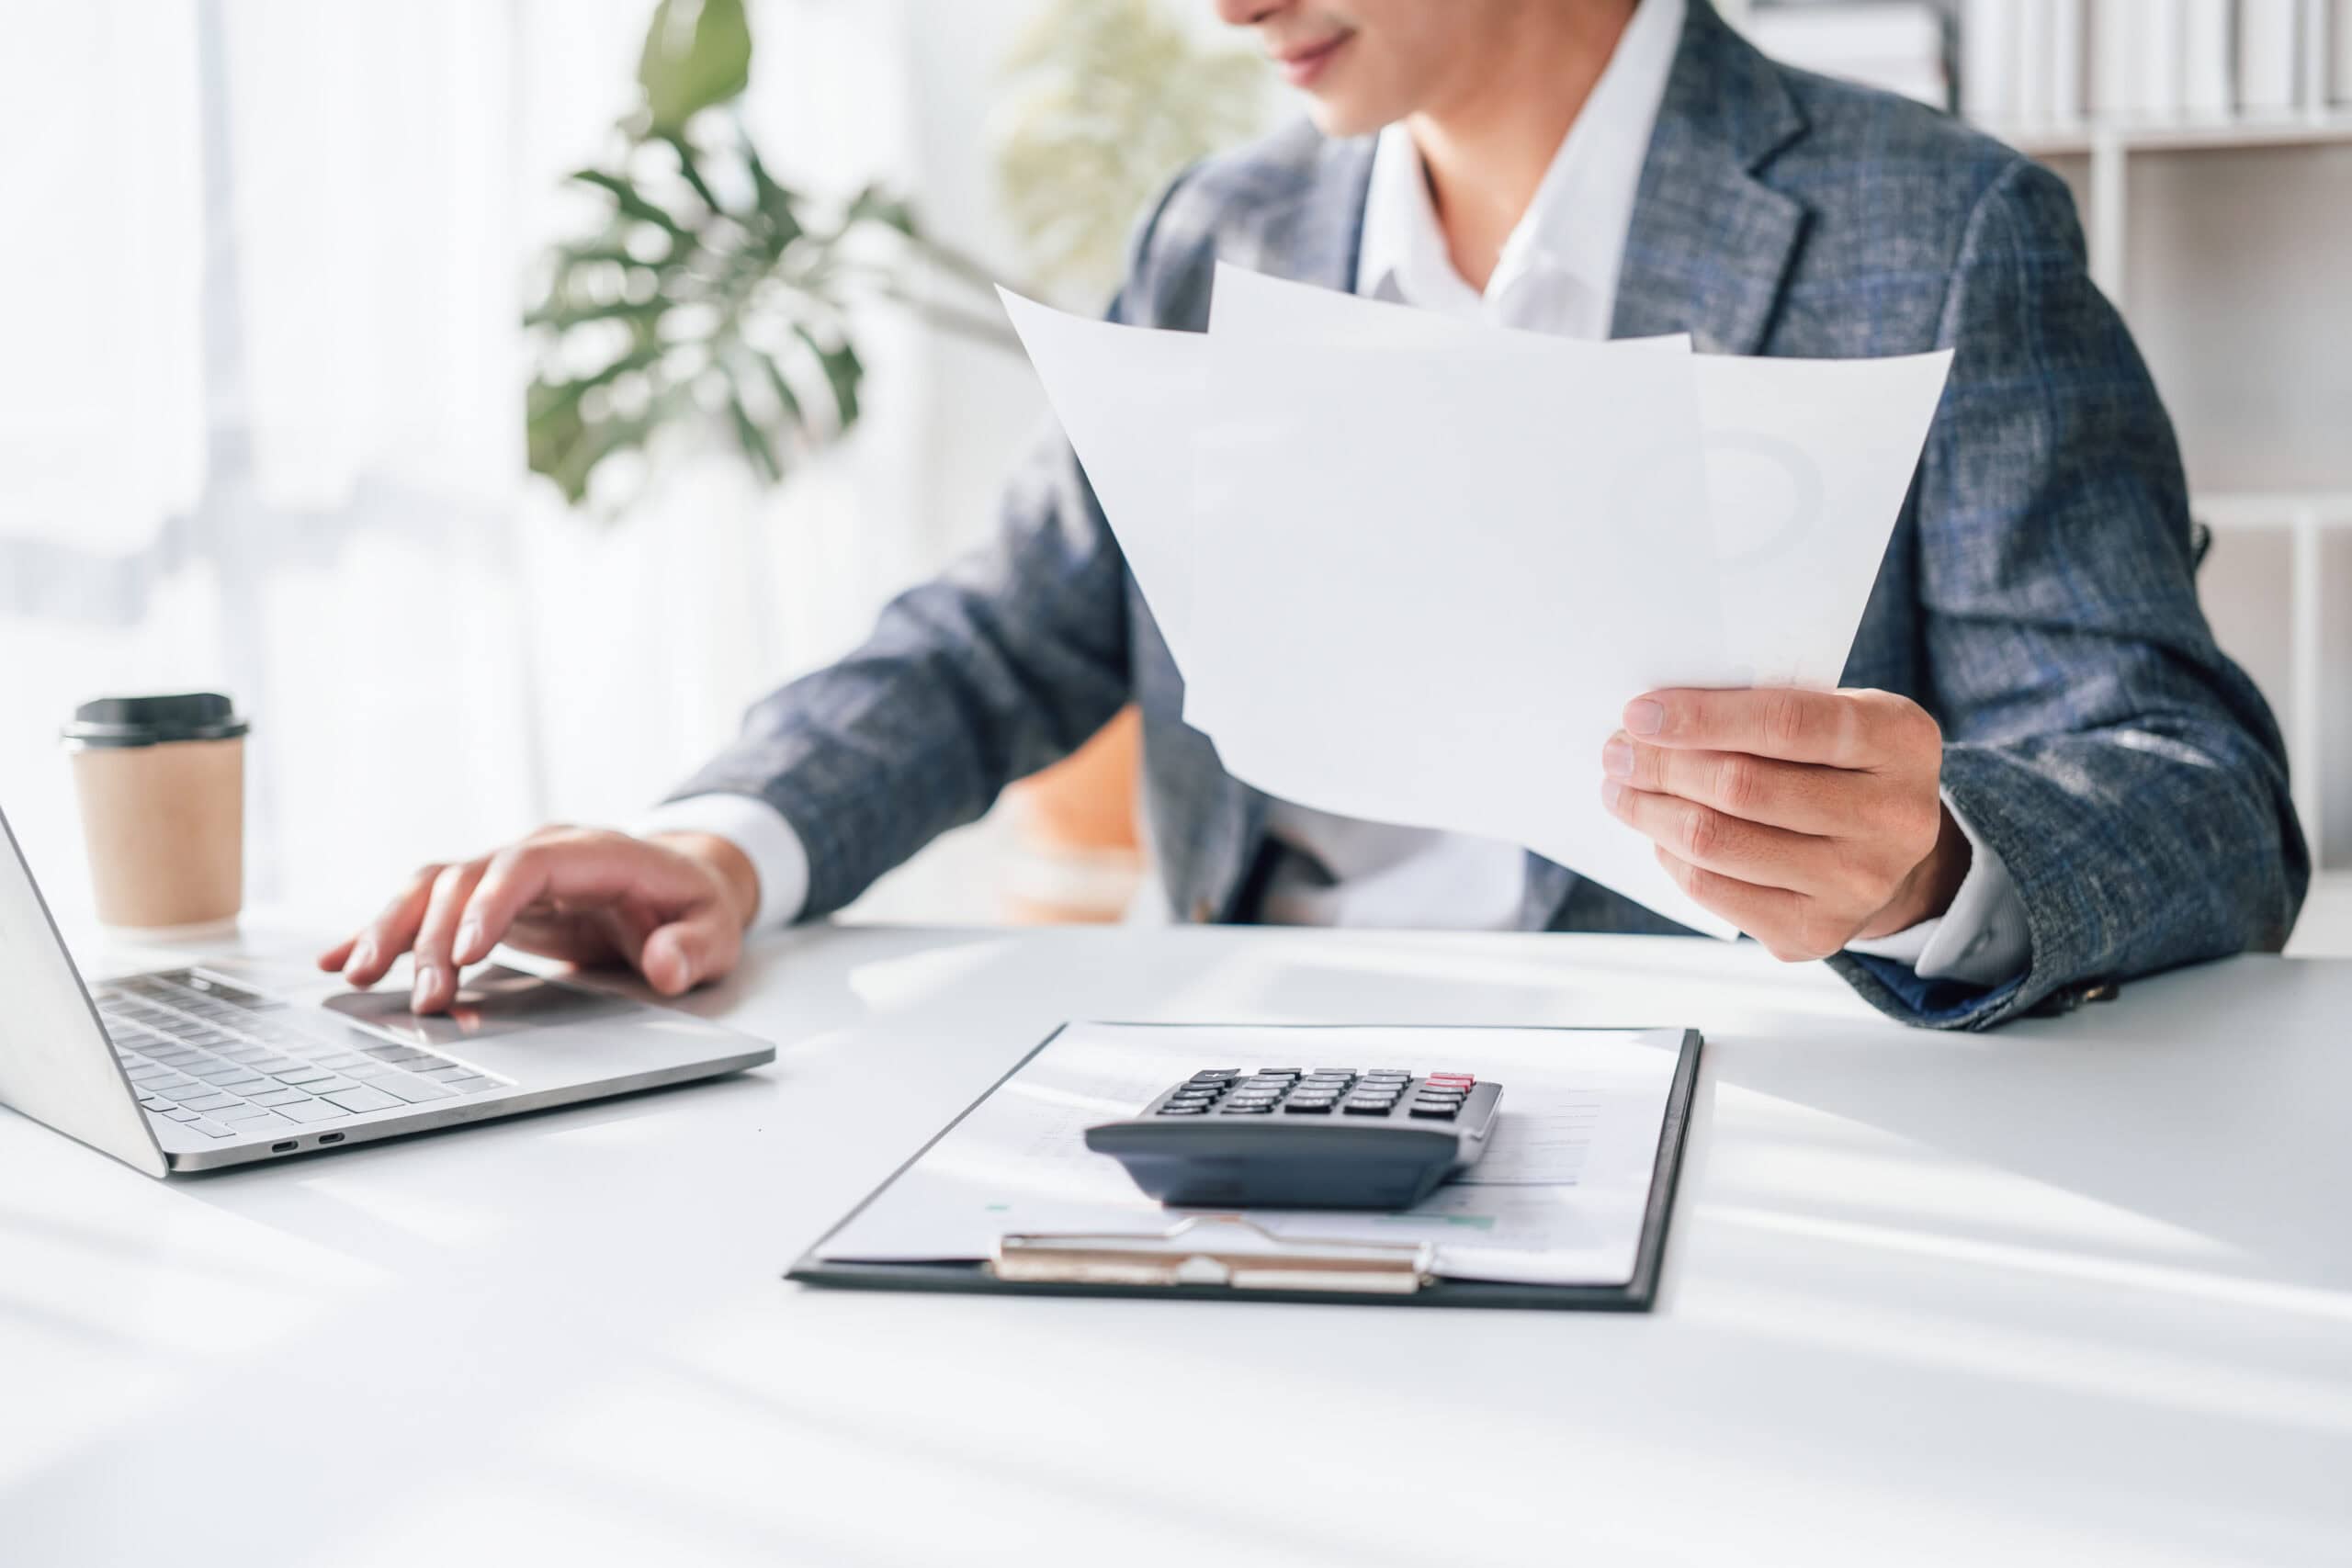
x,y
1710,242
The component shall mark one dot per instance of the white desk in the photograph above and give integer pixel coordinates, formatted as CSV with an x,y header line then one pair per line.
x,y
2079,1292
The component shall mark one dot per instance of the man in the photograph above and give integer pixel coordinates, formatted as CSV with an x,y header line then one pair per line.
x,y
2041,775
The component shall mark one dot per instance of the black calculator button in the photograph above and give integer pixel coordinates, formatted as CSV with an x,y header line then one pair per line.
x,y
1236,1109
1278,1072
1360,1108
1307,1108
1174,1109
1436,1113
1216,1074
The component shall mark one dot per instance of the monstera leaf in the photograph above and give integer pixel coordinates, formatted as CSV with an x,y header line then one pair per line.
x,y
697,55
710,294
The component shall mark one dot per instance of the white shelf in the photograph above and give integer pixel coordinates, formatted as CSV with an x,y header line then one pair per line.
x,y
2325,928
2300,127
2281,509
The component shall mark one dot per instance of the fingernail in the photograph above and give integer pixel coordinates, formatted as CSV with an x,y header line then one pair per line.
x,y
363,953
1643,717
1617,759
427,980
1610,792
469,938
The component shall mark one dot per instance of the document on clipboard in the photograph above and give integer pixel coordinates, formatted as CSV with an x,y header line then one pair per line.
x,y
1567,1208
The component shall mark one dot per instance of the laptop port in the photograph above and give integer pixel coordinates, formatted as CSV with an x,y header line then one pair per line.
x,y
330,1137
285,1148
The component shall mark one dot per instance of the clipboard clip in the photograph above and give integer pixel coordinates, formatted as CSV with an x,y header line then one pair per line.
x,y
1225,1251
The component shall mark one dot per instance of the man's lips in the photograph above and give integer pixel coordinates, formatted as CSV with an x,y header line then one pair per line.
x,y
1302,66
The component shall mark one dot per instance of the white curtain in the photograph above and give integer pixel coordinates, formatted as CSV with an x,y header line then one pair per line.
x,y
263,430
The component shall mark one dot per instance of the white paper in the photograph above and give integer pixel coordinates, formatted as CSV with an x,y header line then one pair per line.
x,y
1131,400
1558,1200
1442,576
1807,463
1411,567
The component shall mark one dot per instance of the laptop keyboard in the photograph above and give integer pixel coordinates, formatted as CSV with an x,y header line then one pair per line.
x,y
228,1064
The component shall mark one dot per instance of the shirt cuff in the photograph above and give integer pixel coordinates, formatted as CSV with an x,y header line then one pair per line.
x,y
1982,940
777,856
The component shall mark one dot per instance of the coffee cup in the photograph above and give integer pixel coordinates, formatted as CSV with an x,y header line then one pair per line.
x,y
162,784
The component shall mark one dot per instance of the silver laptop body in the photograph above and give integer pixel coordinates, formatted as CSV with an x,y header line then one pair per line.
x,y
231,1062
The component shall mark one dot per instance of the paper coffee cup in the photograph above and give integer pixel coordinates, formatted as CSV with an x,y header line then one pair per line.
x,y
161,783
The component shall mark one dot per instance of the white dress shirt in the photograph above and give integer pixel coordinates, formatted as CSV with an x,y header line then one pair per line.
x,y
1556,273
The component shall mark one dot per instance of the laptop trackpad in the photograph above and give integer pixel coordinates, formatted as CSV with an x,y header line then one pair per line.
x,y
497,1001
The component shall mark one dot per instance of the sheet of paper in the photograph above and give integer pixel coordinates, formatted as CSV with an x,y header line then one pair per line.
x,y
1132,401
1807,462
1438,577
1411,567
1558,1200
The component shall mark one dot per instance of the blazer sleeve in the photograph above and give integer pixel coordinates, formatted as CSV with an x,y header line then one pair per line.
x,y
1005,663
2128,774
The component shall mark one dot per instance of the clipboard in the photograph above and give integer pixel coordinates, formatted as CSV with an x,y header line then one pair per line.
x,y
1226,1256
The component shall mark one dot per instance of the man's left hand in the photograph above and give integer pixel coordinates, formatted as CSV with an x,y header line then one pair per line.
x,y
1806,819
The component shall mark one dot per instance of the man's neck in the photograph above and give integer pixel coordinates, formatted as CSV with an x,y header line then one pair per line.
x,y
1488,144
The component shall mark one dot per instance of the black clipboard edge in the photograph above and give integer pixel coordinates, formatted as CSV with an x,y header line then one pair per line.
x,y
1638,1294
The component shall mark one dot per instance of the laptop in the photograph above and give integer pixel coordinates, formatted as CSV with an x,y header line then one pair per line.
x,y
233,1061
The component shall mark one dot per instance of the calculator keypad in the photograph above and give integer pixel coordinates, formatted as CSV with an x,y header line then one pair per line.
x,y
1324,1092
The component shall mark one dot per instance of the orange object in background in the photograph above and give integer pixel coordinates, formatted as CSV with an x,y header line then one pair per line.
x,y
1079,857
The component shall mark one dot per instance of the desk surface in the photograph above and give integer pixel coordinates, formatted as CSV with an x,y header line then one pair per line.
x,y
2080,1292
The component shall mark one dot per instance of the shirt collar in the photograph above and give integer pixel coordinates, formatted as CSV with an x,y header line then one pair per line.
x,y
1576,226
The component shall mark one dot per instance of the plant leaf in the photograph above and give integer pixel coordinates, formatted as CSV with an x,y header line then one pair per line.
x,y
632,202
842,369
697,54
779,204
752,439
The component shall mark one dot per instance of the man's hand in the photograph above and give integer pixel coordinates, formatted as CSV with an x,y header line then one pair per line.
x,y
673,905
1806,818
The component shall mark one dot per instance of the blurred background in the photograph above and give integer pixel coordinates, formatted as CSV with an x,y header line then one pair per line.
x,y
497,396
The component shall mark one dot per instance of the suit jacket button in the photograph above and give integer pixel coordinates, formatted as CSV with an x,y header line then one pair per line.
x,y
1202,911
2101,991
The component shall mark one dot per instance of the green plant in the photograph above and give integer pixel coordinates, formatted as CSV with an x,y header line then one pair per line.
x,y
1107,100
710,291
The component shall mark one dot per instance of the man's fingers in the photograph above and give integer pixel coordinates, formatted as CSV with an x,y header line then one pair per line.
x,y
381,941
1773,916
1796,796
436,967
1717,842
334,958
588,869
1840,729
680,955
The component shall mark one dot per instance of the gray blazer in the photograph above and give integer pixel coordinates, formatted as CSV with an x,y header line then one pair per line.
x,y
2038,596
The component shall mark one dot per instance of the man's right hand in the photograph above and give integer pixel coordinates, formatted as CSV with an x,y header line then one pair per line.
x,y
673,905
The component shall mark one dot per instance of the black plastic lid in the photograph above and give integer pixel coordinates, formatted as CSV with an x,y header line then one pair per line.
x,y
151,721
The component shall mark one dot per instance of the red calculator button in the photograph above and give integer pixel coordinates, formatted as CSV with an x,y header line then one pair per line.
x,y
1464,1079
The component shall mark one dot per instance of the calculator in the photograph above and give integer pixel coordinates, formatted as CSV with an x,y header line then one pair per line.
x,y
1283,1137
